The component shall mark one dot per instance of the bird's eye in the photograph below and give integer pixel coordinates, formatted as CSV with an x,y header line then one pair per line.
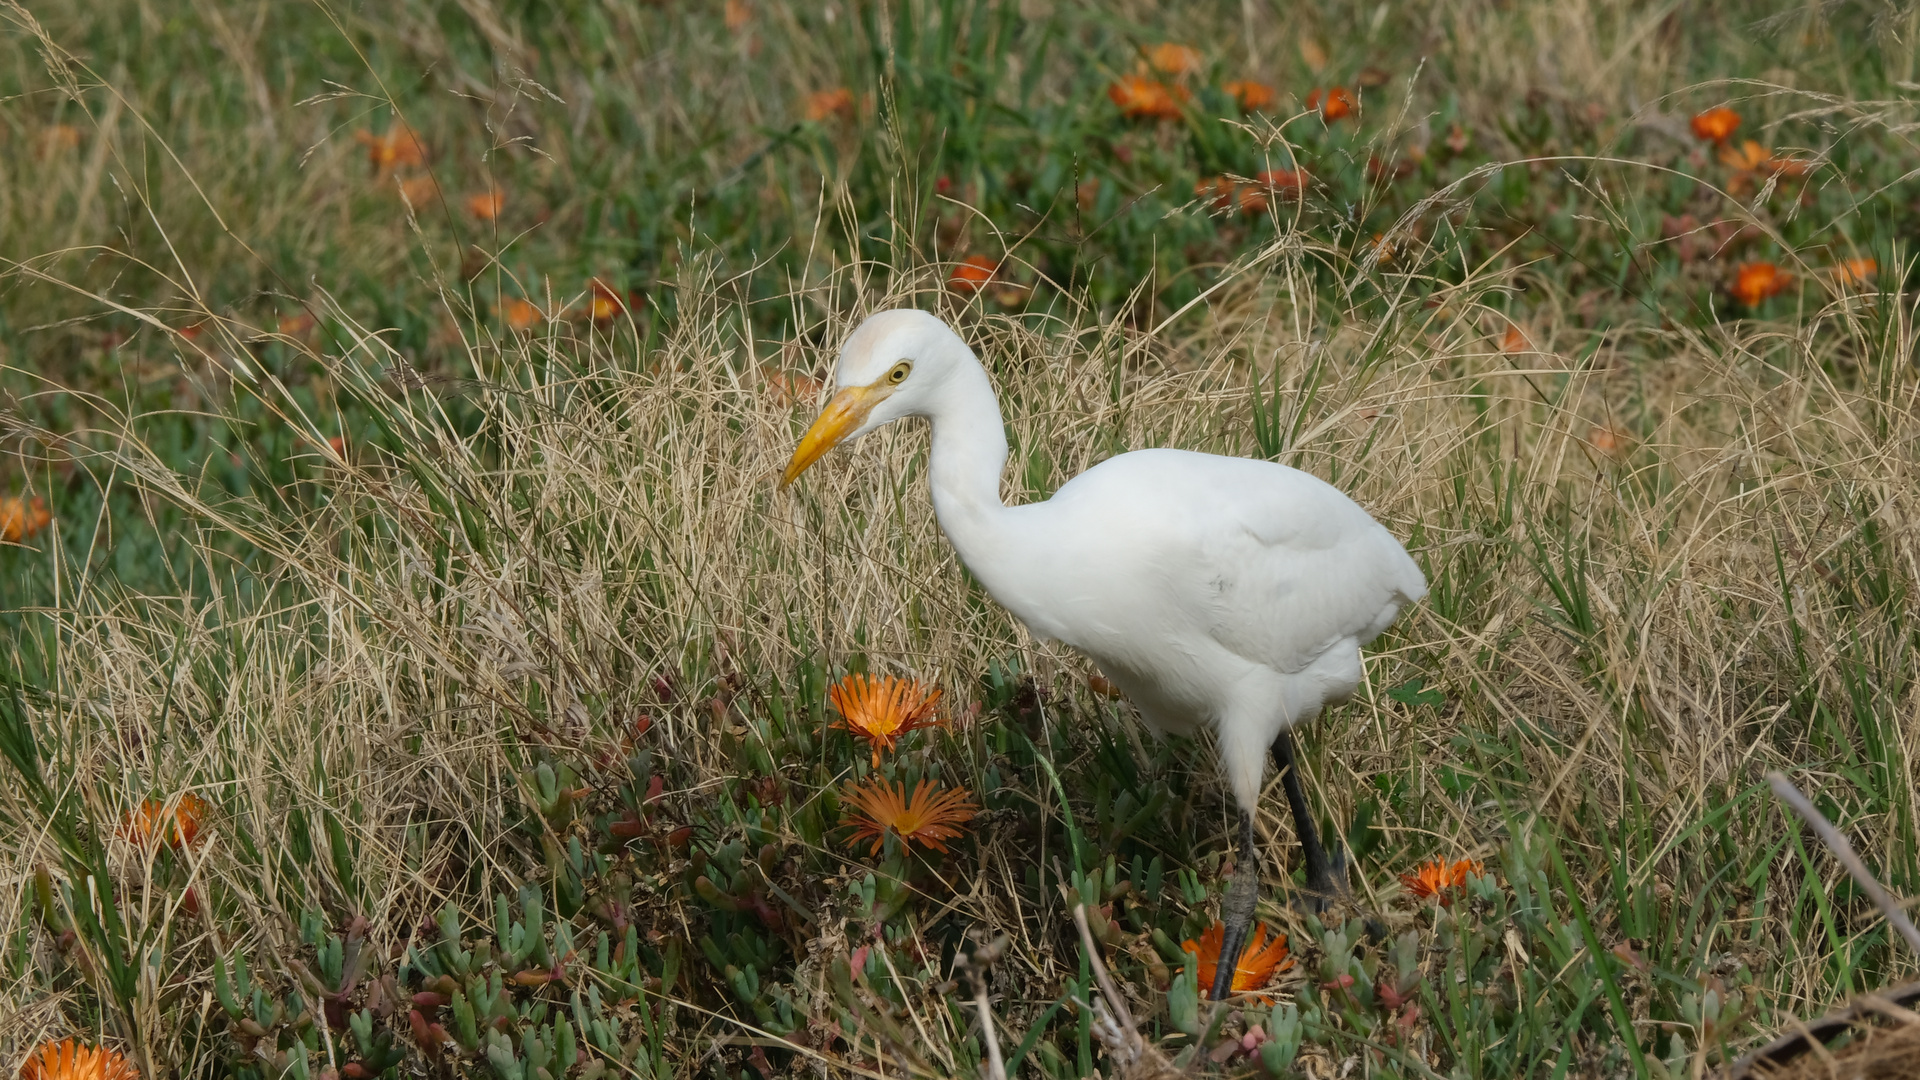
x,y
899,373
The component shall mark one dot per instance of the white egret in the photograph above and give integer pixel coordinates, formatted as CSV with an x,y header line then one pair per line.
x,y
1213,591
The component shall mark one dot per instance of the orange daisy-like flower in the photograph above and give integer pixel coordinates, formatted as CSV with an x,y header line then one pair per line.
x,y
1336,105
22,517
1257,963
823,104
1285,183
1850,272
1755,282
1716,125
486,205
1178,61
1438,877
519,314
881,708
929,817
396,148
175,823
603,304
1252,96
1141,98
418,191
69,1060
971,272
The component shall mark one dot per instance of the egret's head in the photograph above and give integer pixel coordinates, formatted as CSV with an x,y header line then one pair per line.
x,y
893,365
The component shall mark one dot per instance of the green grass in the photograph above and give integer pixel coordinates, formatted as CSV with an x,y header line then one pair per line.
x,y
529,678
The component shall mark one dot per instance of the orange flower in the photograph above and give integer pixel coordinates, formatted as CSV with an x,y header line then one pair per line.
x,y
295,325
174,823
418,191
1855,271
930,817
1754,282
825,104
398,147
881,708
1252,96
1606,439
1716,125
1178,61
1258,961
1514,340
68,1060
970,273
1218,190
1285,183
1750,156
57,138
1337,105
21,517
603,304
519,314
1252,201
486,205
738,14
1438,877
1141,98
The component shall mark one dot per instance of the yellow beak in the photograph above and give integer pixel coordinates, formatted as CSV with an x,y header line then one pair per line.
x,y
845,412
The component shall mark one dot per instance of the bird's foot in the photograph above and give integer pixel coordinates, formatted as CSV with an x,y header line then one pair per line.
x,y
1236,912
1326,884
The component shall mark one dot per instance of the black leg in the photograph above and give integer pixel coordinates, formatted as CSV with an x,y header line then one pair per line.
x,y
1236,911
1326,878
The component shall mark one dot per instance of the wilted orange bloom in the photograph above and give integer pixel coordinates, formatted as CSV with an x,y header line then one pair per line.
x,y
1141,98
1716,124
69,1060
295,325
1754,282
519,314
1258,961
56,138
1514,340
929,817
738,14
1606,438
396,148
1337,104
157,821
1285,183
1178,61
486,205
1252,96
1855,271
970,273
21,517
419,190
1435,878
824,104
881,708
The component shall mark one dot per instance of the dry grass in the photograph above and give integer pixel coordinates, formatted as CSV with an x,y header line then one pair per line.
x,y
511,574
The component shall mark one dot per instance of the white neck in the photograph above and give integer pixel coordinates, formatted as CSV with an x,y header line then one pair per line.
x,y
969,454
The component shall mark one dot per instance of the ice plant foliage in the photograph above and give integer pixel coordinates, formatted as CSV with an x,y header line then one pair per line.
x,y
70,1060
22,516
929,817
1141,98
1258,961
1755,282
1716,125
881,708
175,823
1439,877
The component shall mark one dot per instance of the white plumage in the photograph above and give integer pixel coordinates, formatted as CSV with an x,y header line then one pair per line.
x,y
1213,591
